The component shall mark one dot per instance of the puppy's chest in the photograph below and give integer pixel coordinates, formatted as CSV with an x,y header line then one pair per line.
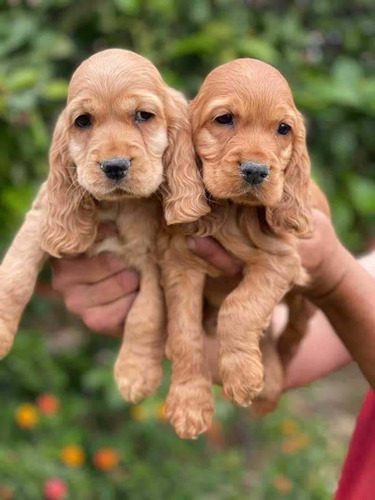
x,y
225,224
137,223
242,231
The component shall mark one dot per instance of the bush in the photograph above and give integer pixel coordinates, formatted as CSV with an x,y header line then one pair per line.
x,y
64,421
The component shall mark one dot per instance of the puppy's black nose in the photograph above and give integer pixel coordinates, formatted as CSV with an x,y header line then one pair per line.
x,y
115,168
254,173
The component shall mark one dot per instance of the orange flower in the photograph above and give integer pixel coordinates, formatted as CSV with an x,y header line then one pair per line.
x,y
6,493
73,456
48,404
138,413
283,484
106,459
27,416
160,413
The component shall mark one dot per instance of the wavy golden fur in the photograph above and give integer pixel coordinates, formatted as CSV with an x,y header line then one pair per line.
x,y
118,106
236,119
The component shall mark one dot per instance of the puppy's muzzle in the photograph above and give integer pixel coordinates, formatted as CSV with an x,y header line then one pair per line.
x,y
254,173
115,168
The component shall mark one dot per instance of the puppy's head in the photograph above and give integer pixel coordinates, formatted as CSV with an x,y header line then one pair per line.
x,y
116,123
121,126
251,141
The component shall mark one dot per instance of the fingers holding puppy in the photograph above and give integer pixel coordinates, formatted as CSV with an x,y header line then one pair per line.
x,y
97,289
100,290
215,254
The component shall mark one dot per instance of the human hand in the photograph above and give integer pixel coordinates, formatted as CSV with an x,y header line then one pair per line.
x,y
324,258
328,264
100,290
209,249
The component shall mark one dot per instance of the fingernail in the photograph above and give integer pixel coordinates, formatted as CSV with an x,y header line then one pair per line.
x,y
191,243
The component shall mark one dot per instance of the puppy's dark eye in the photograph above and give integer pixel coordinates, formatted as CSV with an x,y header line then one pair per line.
x,y
83,121
224,119
284,129
143,116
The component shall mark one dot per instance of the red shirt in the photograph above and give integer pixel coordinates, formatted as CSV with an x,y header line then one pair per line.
x,y
358,475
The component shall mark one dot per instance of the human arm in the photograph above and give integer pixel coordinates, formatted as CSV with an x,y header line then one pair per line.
x,y
312,361
343,289
350,309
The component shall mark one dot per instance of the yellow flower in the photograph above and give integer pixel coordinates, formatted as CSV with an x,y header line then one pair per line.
x,y
294,444
303,441
283,484
138,413
160,413
27,416
289,427
73,455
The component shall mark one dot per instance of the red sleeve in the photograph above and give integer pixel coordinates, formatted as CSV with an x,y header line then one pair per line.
x,y
358,475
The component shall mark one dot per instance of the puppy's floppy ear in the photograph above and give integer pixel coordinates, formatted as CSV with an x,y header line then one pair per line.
x,y
69,225
184,199
293,213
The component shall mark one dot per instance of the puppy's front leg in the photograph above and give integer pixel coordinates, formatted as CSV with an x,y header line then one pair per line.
x,y
190,403
138,369
274,378
243,317
300,312
18,273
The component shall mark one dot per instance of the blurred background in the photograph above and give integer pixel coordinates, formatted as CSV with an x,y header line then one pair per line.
x,y
64,431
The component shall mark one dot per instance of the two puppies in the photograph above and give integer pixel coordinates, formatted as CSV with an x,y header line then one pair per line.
x,y
124,142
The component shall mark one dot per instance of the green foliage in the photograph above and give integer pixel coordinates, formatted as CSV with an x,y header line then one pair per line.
x,y
293,456
92,415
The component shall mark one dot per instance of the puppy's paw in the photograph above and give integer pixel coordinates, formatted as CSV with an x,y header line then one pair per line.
x,y
242,377
189,408
262,406
137,377
269,398
7,335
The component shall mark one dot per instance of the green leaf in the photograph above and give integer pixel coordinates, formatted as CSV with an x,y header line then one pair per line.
x,y
257,48
362,191
22,79
56,89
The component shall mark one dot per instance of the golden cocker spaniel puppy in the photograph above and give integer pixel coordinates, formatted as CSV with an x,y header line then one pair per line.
x,y
123,132
251,147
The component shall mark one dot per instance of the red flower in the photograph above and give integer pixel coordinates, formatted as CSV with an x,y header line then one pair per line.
x,y
55,489
48,404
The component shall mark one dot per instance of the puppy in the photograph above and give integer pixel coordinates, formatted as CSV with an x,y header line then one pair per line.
x,y
121,130
250,142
